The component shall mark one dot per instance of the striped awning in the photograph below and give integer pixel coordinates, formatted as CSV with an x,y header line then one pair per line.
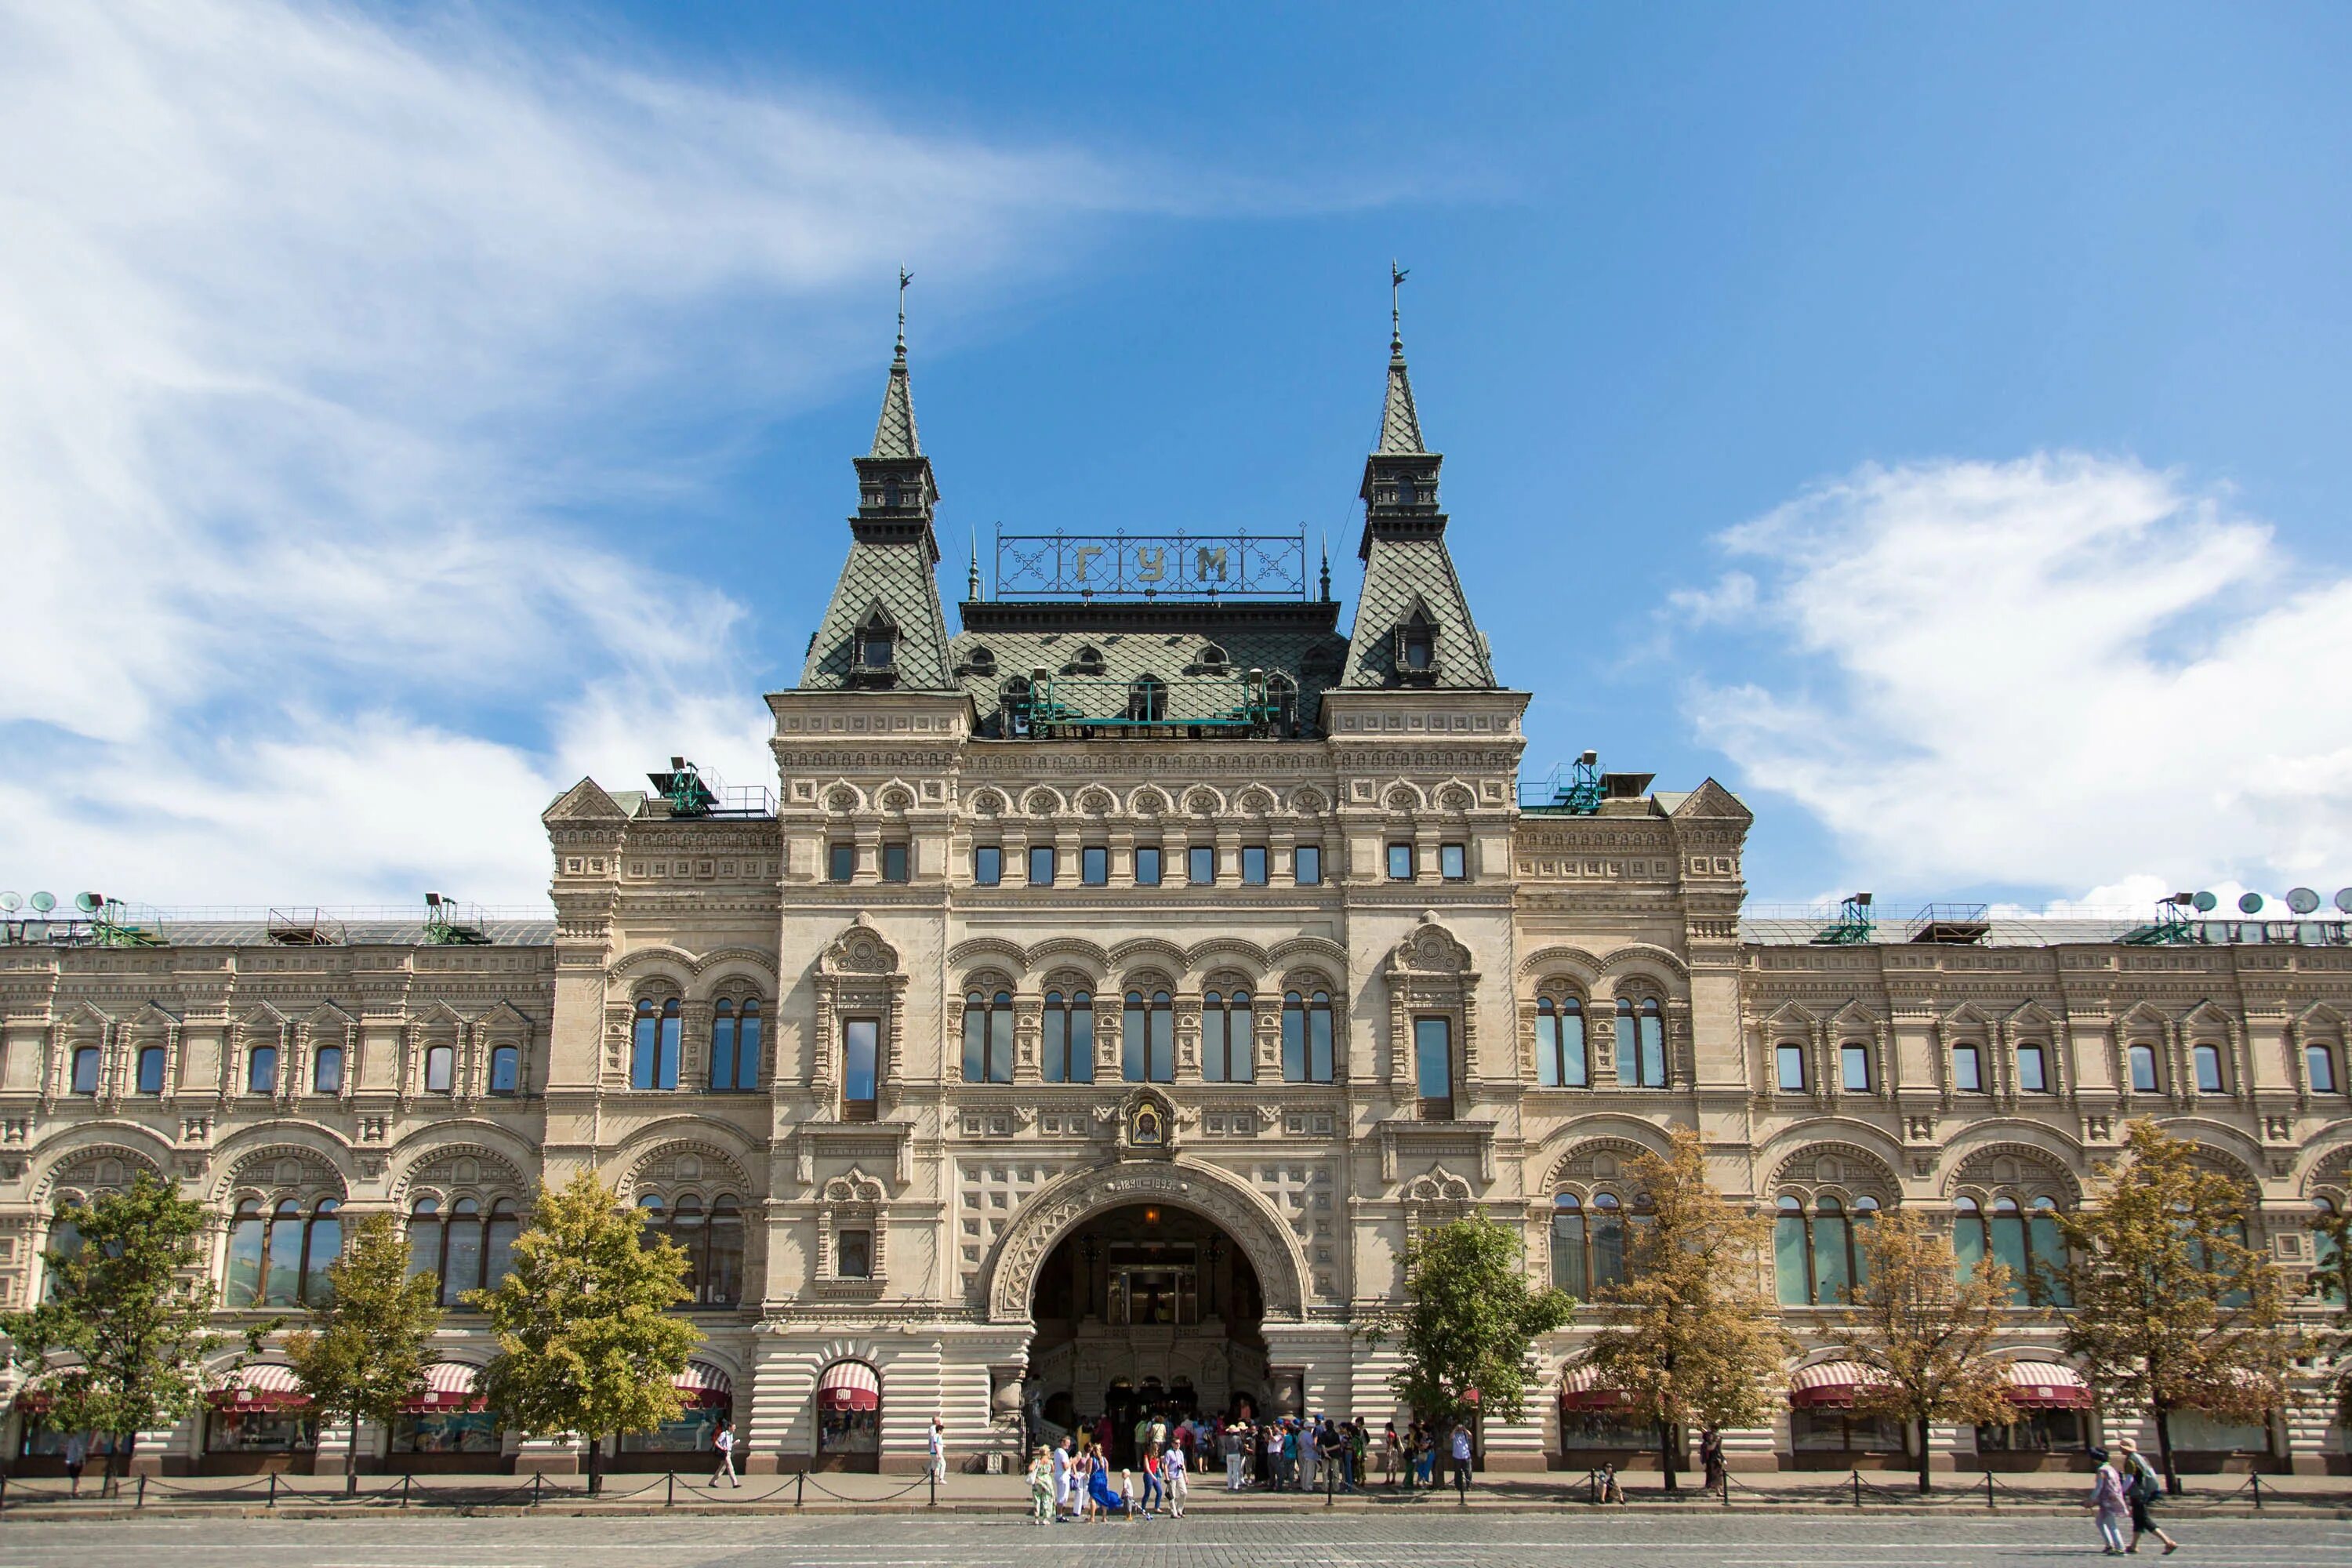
x,y
448,1386
2045,1386
259,1385
703,1385
1830,1385
849,1385
1580,1389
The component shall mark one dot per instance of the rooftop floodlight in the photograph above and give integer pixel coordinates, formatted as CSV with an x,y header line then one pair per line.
x,y
432,900
2302,900
678,764
2179,900
10,902
44,902
2250,904
2204,902
1862,900
1589,758
2344,900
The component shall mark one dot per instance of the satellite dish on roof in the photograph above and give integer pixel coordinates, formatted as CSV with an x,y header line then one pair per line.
x,y
12,902
44,902
2250,904
2203,903
2302,900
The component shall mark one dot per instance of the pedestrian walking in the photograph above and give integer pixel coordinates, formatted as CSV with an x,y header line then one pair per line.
x,y
724,1442
1174,1471
1237,1439
939,1447
2109,1503
1042,1508
2141,1490
1462,1462
1127,1494
1061,1471
77,1456
1153,1498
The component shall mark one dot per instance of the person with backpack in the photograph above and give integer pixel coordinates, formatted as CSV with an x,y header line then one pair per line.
x,y
2142,1490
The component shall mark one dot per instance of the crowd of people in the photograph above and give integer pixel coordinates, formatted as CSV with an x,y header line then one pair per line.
x,y
1075,1480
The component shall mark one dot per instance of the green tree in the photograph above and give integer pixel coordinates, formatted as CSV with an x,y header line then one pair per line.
x,y
586,1339
2331,1282
1924,1330
364,1350
2174,1310
1692,1338
1466,1322
128,1318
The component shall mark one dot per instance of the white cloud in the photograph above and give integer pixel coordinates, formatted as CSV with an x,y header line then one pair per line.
x,y
2066,671
315,326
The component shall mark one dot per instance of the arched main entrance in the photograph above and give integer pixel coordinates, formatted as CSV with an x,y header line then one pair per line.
x,y
1147,1308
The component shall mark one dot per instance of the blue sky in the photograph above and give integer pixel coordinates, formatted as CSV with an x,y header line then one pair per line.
x,y
1928,421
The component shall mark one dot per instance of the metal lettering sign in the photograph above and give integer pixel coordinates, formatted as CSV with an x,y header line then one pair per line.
x,y
1150,565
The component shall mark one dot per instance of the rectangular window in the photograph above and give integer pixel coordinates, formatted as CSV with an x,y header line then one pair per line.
x,y
1790,1078
988,865
1399,862
1200,866
1254,865
860,1050
1454,862
840,862
1093,865
1308,865
854,1254
1432,1062
1041,866
2143,1069
1968,1074
1146,865
893,862
2033,1076
2209,1069
1855,1062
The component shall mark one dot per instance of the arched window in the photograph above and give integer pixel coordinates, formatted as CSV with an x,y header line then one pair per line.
x,y
1560,1058
735,1045
424,1237
1640,1043
2027,1243
1306,1037
1968,1069
1282,698
653,1045
261,1070
1816,1257
498,1250
440,1069
1789,1068
2319,1063
280,1258
1147,700
1570,1268
1226,1035
151,1068
1087,660
65,1245
2032,1070
465,1248
2143,1069
2207,1060
1148,1039
1070,1037
506,1069
85,1069
327,1071
988,1037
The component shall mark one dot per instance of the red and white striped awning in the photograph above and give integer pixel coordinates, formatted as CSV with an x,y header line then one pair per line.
x,y
259,1385
1580,1389
703,1385
2045,1386
849,1385
1830,1385
448,1386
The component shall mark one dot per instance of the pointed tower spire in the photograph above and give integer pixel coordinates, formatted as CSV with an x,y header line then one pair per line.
x,y
1399,425
971,577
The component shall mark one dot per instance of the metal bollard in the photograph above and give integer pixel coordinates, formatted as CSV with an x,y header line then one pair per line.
x,y
273,1488
1989,1499
538,1480
2258,1491
141,1501
404,1481
1857,1487
934,1474
800,1489
669,1492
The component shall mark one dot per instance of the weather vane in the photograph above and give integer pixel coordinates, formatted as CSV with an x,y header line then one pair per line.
x,y
1397,275
905,277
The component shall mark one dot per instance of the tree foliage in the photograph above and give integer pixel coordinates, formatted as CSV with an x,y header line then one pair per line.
x,y
1466,1322
1692,1338
2332,1233
365,1349
2173,1309
128,1322
586,1340
1923,1330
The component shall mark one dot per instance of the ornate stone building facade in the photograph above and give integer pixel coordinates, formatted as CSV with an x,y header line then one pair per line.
x,y
1112,988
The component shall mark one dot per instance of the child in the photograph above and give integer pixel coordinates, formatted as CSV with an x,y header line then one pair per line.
x,y
1127,1494
1040,1490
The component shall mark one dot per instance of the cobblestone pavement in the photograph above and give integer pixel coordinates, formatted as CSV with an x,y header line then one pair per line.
x,y
1466,1540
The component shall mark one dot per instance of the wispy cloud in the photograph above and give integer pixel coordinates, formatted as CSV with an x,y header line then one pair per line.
x,y
320,329
2066,673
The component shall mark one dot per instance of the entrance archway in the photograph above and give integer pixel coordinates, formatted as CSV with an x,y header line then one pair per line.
x,y
1143,1310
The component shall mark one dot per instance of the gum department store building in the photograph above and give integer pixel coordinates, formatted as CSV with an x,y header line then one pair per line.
x,y
1103,998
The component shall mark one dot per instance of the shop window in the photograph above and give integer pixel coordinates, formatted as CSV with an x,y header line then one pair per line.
x,y
1254,865
440,1062
1306,866
1306,1052
2035,1432
1069,1044
1200,866
1093,865
1854,1066
988,1037
279,1257
260,1429
1843,1432
1226,1052
2032,1070
2143,1069
260,1070
894,861
1433,1060
446,1432
735,1045
2207,1060
1399,862
1640,1043
652,1044
506,1069
861,1050
1560,1058
1147,1038
1454,862
1146,865
1788,1061
1041,864
326,1070
150,1067
988,865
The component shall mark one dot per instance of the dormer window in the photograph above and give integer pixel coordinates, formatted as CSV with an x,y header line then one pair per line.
x,y
1416,646
982,662
1087,660
874,648
890,493
1408,493
1213,661
1147,700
